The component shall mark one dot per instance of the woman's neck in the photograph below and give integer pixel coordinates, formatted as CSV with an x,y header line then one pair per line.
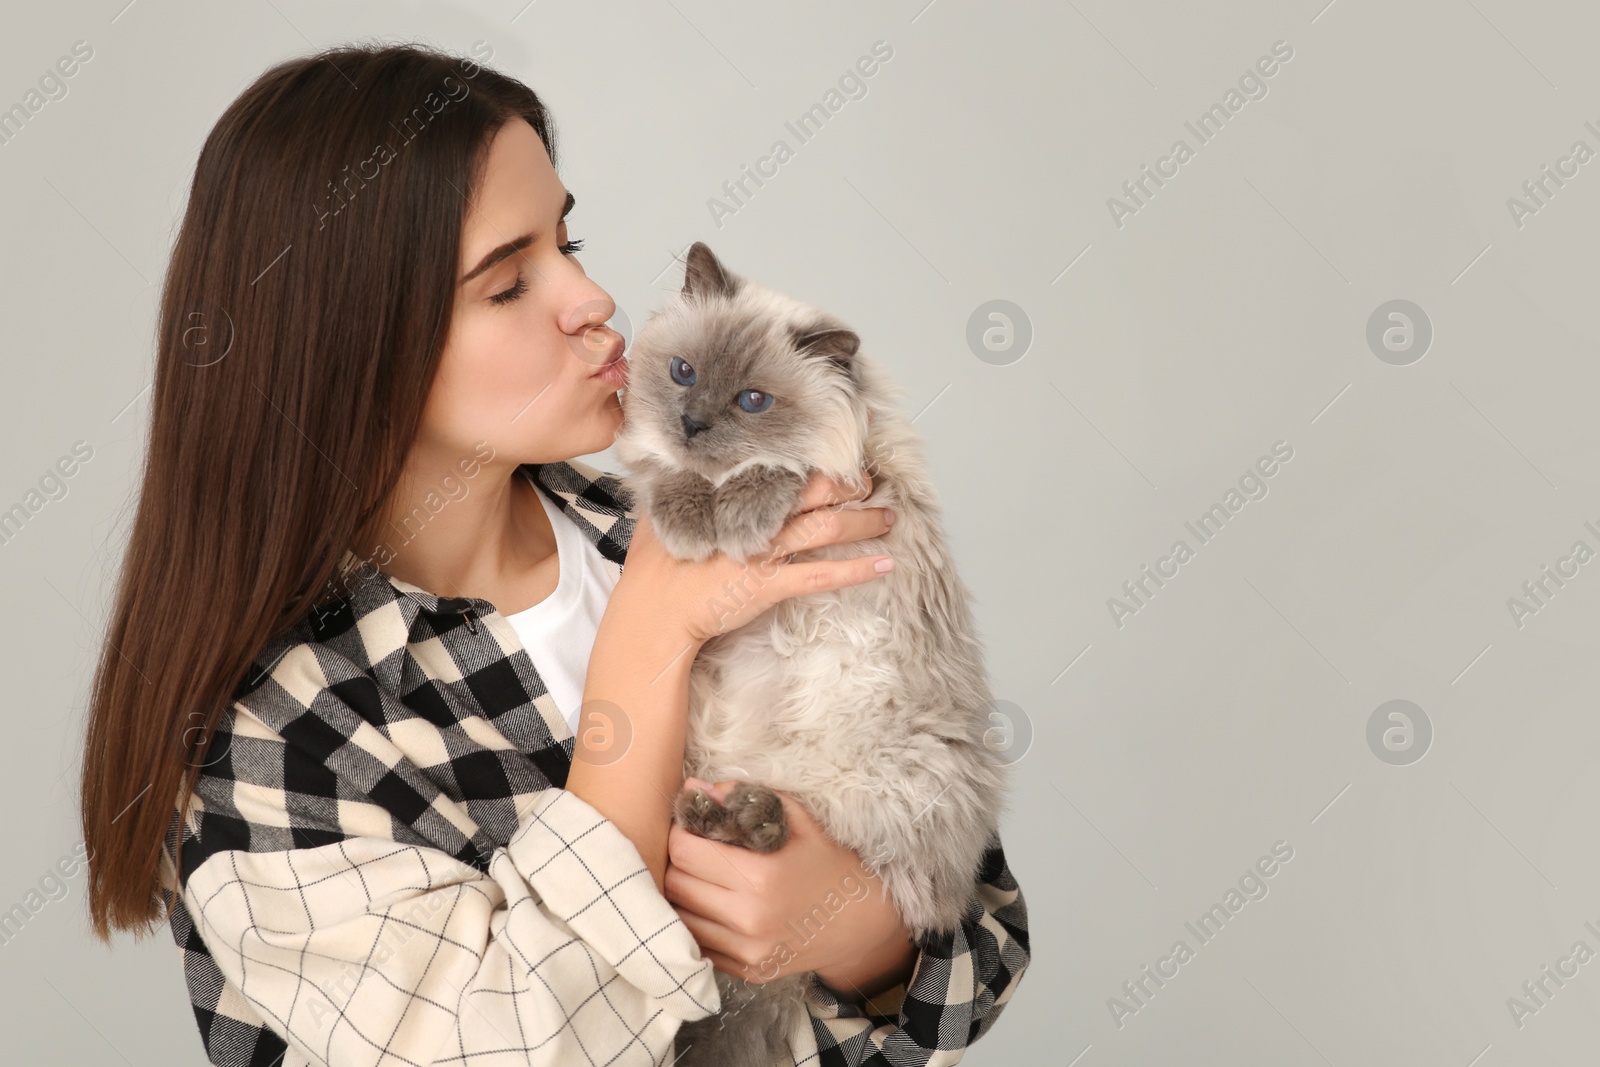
x,y
486,536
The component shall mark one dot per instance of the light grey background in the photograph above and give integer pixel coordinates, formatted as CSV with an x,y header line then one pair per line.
x,y
1169,353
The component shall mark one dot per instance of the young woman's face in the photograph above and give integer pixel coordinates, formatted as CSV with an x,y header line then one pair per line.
x,y
518,368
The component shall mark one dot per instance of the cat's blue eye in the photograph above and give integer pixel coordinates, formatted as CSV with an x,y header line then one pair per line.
x,y
755,401
681,372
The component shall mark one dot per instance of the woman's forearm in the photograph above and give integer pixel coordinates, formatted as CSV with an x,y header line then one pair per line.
x,y
635,699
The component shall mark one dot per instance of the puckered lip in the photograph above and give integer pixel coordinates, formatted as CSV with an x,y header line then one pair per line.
x,y
612,354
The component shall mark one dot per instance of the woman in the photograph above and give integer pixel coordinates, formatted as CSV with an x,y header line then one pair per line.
x,y
347,648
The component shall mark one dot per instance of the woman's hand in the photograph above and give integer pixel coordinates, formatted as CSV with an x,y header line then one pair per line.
x,y
720,594
809,906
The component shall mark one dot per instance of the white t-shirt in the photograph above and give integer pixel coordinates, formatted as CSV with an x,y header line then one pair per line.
x,y
558,632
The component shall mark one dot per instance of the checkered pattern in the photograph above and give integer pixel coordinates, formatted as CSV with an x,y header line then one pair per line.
x,y
957,988
380,866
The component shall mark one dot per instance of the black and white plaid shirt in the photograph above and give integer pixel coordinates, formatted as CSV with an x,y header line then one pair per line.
x,y
380,866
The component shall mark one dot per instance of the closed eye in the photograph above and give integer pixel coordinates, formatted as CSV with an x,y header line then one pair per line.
x,y
520,286
508,295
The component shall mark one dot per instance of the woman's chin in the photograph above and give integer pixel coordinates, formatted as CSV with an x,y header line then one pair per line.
x,y
611,421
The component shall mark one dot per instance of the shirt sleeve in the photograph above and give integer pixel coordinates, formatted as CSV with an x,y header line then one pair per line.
x,y
959,984
369,951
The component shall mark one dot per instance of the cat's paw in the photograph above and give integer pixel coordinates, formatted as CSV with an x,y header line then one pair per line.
x,y
700,813
756,817
682,516
752,507
751,816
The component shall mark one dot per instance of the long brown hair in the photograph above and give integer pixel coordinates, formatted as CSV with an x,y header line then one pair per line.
x,y
302,317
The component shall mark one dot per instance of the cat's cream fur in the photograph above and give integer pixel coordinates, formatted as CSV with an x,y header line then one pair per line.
x,y
869,704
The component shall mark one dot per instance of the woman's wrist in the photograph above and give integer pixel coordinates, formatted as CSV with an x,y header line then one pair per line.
x,y
638,620
886,966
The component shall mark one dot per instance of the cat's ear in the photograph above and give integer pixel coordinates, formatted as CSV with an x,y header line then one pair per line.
x,y
834,342
705,274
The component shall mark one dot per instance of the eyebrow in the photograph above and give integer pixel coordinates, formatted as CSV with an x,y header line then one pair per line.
x,y
512,247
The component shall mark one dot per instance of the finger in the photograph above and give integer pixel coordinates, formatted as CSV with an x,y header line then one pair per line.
x,y
718,790
827,526
708,933
823,491
712,935
821,576
693,893
708,860
701,784
730,966
858,488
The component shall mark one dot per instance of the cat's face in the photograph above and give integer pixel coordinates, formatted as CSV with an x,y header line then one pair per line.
x,y
730,372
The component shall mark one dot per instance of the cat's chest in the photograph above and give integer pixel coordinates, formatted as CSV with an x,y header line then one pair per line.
x,y
798,689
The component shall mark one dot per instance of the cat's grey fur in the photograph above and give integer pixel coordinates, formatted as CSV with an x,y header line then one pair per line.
x,y
868,704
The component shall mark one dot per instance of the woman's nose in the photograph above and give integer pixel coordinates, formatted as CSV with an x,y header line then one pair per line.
x,y
591,312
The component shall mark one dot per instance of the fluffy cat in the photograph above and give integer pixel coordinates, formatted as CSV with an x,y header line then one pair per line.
x,y
868,705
